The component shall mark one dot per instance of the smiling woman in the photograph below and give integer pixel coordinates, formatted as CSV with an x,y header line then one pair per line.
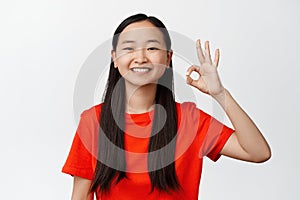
x,y
141,55
141,144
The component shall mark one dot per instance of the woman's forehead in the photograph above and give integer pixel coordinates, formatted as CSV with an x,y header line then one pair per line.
x,y
139,25
141,31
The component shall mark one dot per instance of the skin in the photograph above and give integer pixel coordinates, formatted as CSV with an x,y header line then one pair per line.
x,y
246,143
141,45
81,188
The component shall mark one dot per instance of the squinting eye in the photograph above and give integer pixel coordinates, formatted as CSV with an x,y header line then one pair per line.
x,y
152,48
128,49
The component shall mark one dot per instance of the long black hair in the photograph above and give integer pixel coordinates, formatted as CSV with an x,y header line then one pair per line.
x,y
112,120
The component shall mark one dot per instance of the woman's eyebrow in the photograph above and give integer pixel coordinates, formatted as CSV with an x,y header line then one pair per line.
x,y
127,41
148,41
153,40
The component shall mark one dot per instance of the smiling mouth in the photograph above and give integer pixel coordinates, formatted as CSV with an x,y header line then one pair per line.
x,y
140,69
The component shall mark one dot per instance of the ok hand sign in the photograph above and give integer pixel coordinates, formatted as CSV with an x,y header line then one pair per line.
x,y
208,81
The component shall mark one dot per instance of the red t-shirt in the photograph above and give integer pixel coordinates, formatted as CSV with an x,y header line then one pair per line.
x,y
198,135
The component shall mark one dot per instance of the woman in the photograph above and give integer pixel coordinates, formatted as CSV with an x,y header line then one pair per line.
x,y
141,144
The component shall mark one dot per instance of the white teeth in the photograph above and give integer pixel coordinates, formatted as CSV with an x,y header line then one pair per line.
x,y
140,69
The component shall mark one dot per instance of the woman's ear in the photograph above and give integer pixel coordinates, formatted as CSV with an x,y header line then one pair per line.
x,y
113,55
169,57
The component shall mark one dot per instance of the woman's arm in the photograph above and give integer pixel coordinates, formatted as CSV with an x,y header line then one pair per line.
x,y
246,143
81,187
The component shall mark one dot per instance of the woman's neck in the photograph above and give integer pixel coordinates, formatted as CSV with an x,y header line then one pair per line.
x,y
140,99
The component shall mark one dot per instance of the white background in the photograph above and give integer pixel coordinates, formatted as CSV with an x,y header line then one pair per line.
x,y
43,45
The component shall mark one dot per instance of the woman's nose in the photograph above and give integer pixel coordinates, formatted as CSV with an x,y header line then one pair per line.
x,y
140,55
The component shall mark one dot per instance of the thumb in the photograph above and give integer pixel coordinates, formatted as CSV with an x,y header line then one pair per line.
x,y
190,81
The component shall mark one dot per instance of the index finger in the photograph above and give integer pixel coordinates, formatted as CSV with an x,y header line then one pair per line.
x,y
191,69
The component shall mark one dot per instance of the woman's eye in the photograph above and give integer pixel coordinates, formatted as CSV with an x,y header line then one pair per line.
x,y
128,49
152,48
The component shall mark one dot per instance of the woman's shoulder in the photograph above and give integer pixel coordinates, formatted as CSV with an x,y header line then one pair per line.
x,y
189,109
186,105
92,112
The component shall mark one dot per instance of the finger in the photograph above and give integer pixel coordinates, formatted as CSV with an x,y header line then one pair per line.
x,y
200,52
191,69
191,81
217,57
207,53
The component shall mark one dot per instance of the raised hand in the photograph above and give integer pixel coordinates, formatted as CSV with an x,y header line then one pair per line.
x,y
247,142
208,81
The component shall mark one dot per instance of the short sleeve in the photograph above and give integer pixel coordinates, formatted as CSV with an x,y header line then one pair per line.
x,y
213,134
79,160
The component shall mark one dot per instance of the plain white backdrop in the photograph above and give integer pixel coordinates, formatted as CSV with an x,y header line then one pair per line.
x,y
43,45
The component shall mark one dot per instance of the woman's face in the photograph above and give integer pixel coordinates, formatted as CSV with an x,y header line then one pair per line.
x,y
141,55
